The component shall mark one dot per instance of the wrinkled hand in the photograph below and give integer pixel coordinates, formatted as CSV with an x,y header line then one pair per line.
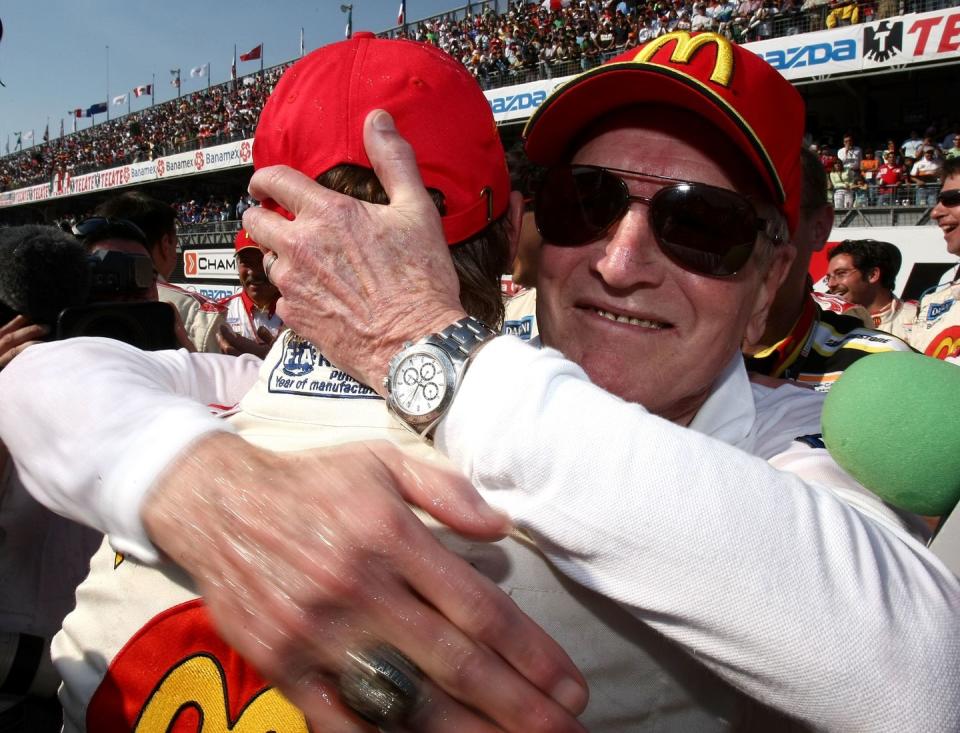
x,y
16,335
301,556
233,344
358,279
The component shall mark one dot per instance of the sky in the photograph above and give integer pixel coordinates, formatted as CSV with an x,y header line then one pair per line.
x,y
58,55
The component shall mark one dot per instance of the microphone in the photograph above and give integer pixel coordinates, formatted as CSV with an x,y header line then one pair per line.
x,y
42,271
892,421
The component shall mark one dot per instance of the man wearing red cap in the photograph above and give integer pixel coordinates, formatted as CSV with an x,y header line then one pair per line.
x,y
669,484
252,323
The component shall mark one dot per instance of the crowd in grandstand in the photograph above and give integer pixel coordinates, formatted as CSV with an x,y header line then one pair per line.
x,y
542,40
529,40
889,174
207,117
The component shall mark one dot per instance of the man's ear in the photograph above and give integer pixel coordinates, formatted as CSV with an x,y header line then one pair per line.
x,y
772,279
514,222
821,226
874,275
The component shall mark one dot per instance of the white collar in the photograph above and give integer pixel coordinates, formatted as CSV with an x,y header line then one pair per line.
x,y
730,411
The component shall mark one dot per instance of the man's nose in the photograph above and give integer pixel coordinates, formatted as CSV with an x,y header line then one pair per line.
x,y
631,254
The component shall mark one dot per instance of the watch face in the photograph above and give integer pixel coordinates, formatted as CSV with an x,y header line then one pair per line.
x,y
419,384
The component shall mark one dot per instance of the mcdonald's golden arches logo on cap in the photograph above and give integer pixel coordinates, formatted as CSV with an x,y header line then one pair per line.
x,y
687,46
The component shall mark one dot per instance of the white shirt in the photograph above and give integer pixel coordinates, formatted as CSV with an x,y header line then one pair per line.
x,y
755,552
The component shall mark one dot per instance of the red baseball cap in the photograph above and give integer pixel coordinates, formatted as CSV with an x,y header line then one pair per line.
x,y
731,87
313,121
243,241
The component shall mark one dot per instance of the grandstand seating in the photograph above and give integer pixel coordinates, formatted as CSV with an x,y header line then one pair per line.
x,y
526,42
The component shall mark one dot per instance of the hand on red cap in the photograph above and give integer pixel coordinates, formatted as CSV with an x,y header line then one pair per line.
x,y
358,279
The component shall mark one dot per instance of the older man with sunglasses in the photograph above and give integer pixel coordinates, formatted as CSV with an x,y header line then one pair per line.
x,y
700,502
669,484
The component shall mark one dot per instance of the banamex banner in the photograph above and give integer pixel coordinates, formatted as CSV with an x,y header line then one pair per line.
x,y
217,157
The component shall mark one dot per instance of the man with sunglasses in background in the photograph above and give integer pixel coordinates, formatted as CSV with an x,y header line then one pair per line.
x,y
936,331
671,485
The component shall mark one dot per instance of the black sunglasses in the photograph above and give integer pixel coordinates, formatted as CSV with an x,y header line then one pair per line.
x,y
98,228
704,229
949,198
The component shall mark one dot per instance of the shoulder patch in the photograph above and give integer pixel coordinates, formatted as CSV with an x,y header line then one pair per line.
x,y
814,440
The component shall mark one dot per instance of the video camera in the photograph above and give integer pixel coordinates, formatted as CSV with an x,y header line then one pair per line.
x,y
114,309
46,275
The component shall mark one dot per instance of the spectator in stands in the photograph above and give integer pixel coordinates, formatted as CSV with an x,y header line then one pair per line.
x,y
861,191
850,155
908,148
864,271
589,53
827,158
948,133
890,177
893,148
929,144
926,175
843,12
954,150
840,184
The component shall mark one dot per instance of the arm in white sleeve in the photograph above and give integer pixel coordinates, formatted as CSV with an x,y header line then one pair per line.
x,y
808,596
91,423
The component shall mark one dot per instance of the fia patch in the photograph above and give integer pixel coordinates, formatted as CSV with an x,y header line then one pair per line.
x,y
302,370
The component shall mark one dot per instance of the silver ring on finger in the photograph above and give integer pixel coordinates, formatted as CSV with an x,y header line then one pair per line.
x,y
268,262
381,685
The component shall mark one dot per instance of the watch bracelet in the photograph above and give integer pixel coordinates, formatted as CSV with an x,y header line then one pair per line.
x,y
467,333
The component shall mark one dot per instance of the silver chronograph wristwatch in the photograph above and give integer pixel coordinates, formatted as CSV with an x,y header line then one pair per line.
x,y
423,377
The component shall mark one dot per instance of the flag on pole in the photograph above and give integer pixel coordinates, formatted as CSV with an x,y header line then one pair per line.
x,y
46,133
75,112
143,90
95,109
301,41
61,127
253,54
233,64
175,78
27,136
120,99
200,71
402,13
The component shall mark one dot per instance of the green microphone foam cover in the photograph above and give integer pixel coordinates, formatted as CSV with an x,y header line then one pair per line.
x,y
892,421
